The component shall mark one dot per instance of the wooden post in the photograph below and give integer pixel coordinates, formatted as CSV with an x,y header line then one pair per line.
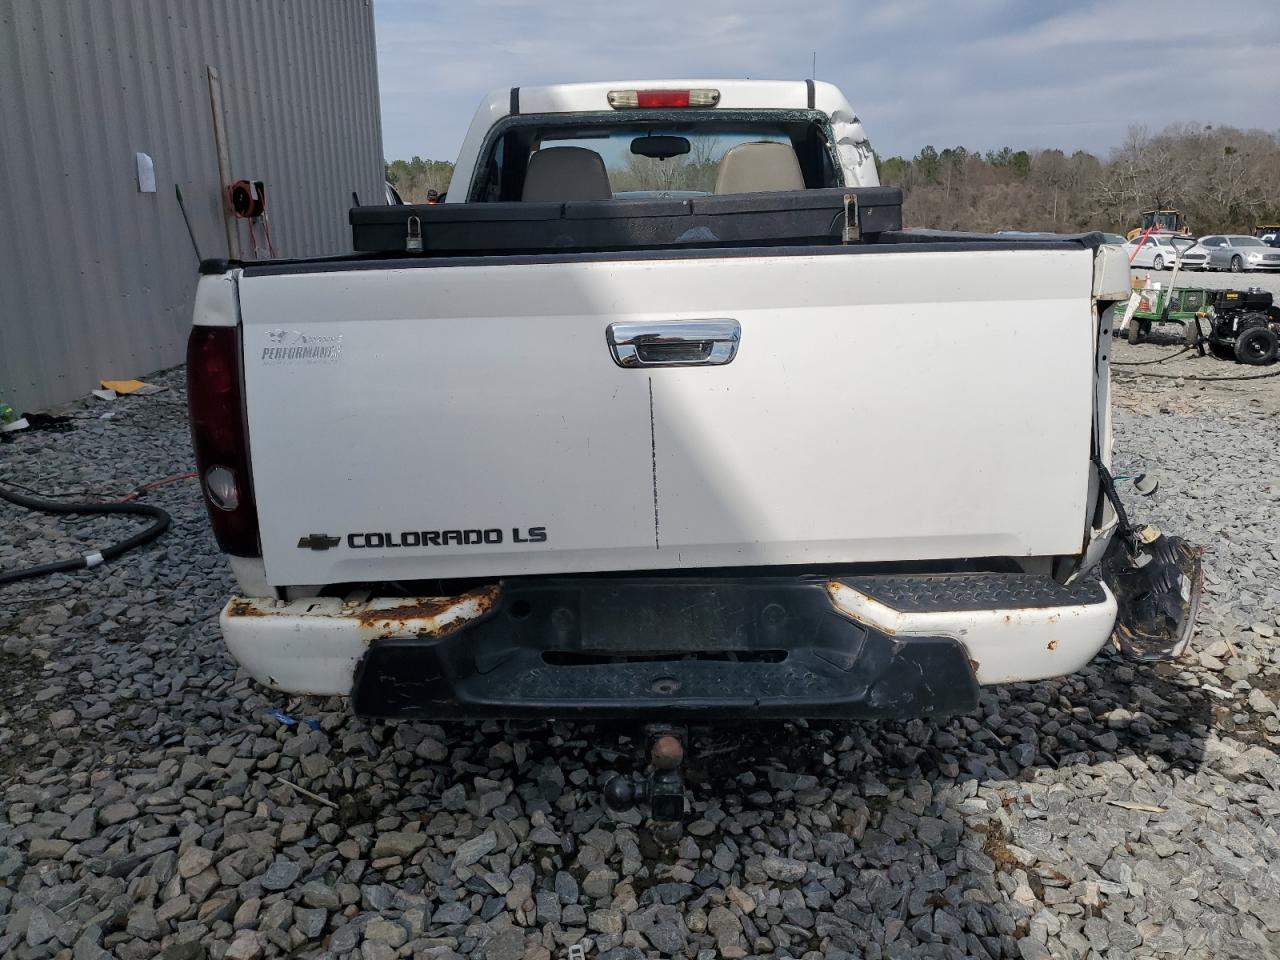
x,y
224,163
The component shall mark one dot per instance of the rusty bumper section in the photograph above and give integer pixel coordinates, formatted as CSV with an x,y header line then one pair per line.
x,y
673,648
313,645
378,619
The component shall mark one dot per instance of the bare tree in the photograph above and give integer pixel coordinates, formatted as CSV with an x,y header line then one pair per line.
x,y
1222,179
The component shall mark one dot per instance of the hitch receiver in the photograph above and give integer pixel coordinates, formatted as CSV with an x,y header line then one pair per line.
x,y
663,788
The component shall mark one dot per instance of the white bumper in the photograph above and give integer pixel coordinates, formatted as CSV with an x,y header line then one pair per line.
x,y
312,646
1005,645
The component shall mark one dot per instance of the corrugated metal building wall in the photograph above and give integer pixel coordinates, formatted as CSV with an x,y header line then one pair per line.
x,y
97,278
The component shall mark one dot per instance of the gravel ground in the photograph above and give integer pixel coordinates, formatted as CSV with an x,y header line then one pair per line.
x,y
1126,811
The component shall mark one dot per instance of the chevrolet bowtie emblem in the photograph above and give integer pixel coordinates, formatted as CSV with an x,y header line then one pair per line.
x,y
317,541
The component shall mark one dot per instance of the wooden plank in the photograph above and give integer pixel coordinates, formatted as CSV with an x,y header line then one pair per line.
x,y
224,162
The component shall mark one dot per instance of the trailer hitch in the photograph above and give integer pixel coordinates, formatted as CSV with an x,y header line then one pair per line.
x,y
1157,580
662,788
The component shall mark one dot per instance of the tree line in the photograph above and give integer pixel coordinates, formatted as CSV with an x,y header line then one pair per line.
x,y
415,179
1223,179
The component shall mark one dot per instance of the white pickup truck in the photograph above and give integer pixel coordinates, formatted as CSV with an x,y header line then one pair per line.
x,y
662,415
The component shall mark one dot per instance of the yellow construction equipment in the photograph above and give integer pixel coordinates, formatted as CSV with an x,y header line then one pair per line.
x,y
1164,221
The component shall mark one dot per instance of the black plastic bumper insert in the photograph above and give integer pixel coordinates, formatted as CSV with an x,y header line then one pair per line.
x,y
678,648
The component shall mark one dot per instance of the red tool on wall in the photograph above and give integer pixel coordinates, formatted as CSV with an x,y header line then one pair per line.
x,y
248,201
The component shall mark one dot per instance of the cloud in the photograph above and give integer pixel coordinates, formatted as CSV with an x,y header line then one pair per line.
x,y
982,74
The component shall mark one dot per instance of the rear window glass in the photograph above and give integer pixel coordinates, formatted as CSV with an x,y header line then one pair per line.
x,y
632,175
652,170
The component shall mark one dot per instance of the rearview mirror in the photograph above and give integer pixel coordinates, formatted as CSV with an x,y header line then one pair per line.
x,y
660,147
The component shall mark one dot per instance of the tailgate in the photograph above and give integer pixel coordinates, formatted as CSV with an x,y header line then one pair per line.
x,y
445,420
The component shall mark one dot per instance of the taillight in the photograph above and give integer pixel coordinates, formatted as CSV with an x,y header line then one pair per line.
x,y
221,437
657,99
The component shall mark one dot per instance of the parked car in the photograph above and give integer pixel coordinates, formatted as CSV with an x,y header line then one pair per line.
x,y
1238,253
869,485
1156,252
1195,257
1115,238
1268,233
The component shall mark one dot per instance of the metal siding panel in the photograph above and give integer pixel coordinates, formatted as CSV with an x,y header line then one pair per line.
x,y
306,88
364,116
170,285
185,156
144,332
22,365
296,225
48,325
270,97
325,153
274,158
97,279
206,51
76,99
225,55
297,229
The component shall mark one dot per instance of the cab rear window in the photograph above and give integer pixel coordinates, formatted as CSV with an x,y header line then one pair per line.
x,y
652,156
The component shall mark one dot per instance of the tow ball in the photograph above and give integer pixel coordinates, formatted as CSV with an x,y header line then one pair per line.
x,y
662,788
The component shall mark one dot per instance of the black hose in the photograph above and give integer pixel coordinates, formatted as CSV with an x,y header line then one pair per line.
x,y
1122,517
1144,363
160,523
1192,376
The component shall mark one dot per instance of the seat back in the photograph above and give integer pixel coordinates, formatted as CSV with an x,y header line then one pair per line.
x,y
759,167
566,173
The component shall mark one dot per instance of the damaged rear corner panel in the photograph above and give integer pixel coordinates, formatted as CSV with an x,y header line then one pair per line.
x,y
313,645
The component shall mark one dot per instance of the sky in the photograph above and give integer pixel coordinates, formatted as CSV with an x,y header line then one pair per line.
x,y
982,74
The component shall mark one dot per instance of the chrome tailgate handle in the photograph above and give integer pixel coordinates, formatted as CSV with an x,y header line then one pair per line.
x,y
674,343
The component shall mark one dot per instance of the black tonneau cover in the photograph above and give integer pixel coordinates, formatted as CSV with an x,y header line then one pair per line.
x,y
887,243
791,217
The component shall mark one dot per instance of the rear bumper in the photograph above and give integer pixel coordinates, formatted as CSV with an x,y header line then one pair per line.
x,y
678,647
